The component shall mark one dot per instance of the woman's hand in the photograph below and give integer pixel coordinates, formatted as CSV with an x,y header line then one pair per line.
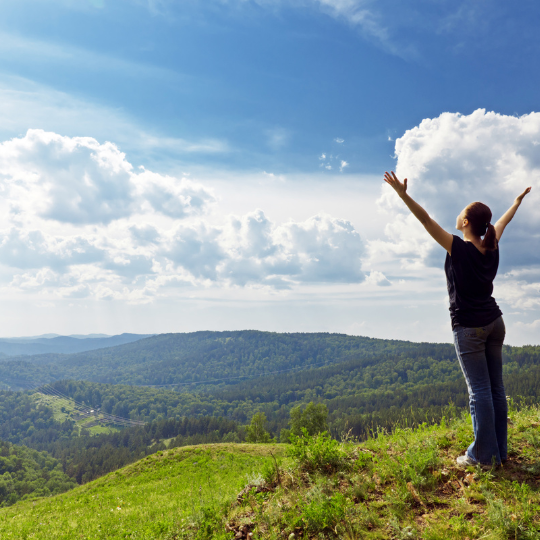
x,y
391,180
509,214
519,198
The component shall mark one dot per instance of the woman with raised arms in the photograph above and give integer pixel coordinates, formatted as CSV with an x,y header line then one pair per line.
x,y
477,324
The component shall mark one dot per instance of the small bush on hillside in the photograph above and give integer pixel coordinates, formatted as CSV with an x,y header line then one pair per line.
x,y
323,513
417,464
318,453
208,524
271,471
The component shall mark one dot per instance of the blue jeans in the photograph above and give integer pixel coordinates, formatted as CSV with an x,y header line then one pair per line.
x,y
479,351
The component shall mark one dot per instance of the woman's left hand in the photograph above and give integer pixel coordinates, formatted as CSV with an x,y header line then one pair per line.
x,y
391,180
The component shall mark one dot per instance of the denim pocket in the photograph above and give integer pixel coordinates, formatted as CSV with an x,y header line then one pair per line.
x,y
474,332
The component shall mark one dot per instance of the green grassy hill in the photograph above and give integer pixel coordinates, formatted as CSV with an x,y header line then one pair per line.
x,y
153,498
398,486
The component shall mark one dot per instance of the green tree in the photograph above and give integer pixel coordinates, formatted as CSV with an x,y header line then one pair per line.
x,y
313,418
256,431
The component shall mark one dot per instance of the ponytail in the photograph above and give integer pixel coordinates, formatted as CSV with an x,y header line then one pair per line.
x,y
479,216
490,239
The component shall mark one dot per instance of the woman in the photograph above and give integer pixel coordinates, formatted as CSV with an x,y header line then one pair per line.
x,y
471,265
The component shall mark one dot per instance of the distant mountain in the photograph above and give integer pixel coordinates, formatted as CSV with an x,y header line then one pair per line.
x,y
24,339
86,336
203,356
63,344
20,339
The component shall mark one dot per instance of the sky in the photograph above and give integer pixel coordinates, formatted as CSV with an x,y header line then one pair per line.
x,y
172,166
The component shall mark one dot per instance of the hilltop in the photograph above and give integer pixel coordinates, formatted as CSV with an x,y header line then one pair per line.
x,y
197,357
152,498
394,486
63,344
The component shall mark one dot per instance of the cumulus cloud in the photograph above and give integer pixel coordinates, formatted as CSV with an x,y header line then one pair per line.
x,y
320,249
144,234
330,249
78,180
519,293
378,278
78,220
455,159
197,250
32,249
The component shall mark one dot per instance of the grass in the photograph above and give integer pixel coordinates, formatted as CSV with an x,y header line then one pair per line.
x,y
56,404
153,498
403,485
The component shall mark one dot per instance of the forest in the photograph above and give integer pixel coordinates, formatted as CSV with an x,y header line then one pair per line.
x,y
231,377
198,357
25,472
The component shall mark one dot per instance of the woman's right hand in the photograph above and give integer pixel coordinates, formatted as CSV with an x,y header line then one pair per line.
x,y
519,198
391,180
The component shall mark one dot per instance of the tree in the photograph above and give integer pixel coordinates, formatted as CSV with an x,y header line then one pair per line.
x,y
256,431
313,418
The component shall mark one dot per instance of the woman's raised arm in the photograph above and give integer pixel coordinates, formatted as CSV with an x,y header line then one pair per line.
x,y
432,227
509,214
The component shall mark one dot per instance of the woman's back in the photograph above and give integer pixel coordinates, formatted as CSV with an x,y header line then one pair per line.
x,y
469,276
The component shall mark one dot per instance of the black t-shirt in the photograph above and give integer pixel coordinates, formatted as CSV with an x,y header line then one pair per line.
x,y
469,276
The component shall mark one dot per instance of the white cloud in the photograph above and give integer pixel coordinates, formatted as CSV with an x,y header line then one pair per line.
x,y
339,141
378,278
77,220
144,234
32,249
455,159
534,325
78,180
520,294
320,249
330,250
170,196
197,250
329,161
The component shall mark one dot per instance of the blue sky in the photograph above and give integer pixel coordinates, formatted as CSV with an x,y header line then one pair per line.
x,y
218,165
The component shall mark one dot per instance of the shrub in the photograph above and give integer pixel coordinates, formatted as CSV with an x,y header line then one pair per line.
x,y
416,464
318,453
323,513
